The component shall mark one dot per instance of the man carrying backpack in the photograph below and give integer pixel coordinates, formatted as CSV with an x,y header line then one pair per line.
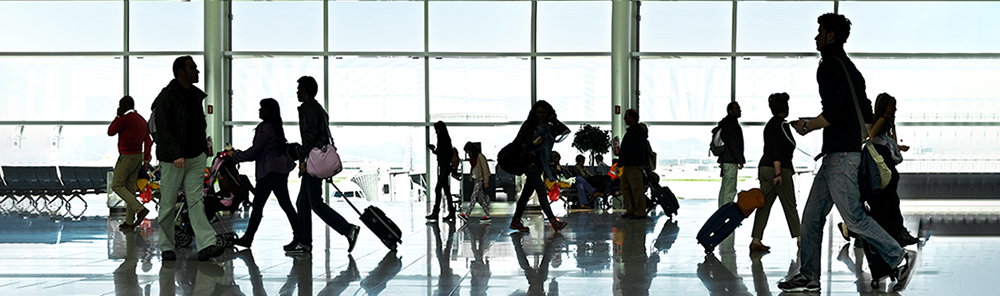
x,y
731,160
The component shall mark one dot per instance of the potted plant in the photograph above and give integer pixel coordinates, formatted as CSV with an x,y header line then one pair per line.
x,y
593,140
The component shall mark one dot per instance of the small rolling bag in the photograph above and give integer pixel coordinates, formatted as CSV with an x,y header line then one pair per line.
x,y
375,219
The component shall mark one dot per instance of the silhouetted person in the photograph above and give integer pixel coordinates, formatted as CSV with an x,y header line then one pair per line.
x,y
632,158
181,147
542,115
776,172
314,126
444,152
731,160
135,150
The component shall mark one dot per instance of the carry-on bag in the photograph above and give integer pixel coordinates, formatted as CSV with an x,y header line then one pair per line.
x,y
725,220
375,219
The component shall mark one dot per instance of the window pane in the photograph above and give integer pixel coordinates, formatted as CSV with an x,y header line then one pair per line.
x,y
579,88
946,26
65,26
696,89
278,26
759,77
73,145
686,26
480,26
480,90
376,26
148,33
937,89
574,26
60,88
258,78
148,75
778,26
377,89
950,149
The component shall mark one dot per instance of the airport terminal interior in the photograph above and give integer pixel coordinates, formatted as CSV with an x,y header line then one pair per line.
x,y
387,71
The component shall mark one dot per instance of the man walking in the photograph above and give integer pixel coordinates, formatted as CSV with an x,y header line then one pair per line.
x,y
732,159
836,182
181,146
134,146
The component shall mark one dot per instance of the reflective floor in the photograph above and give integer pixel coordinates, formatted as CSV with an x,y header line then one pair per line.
x,y
598,254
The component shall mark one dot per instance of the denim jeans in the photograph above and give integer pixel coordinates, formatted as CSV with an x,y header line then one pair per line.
x,y
583,189
836,183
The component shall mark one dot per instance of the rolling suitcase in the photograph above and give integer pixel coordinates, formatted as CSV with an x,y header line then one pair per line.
x,y
725,220
375,219
659,194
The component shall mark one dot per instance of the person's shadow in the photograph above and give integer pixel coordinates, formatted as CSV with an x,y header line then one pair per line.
x,y
126,281
480,266
537,275
300,275
447,280
386,269
338,284
719,280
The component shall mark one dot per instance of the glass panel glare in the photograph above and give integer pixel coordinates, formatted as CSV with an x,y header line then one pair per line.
x,y
480,90
778,26
148,30
377,26
377,89
148,75
65,26
60,88
480,26
945,26
692,89
277,26
579,88
759,77
258,78
566,26
58,145
686,26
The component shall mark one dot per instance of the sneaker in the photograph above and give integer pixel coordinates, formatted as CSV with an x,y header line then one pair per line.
x,y
463,217
300,248
799,283
485,219
210,252
290,246
242,242
352,238
844,232
557,225
906,239
168,255
904,271
516,225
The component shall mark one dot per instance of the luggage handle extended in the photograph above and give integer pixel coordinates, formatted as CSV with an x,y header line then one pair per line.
x,y
384,223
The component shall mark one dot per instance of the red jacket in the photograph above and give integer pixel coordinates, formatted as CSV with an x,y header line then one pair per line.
x,y
133,134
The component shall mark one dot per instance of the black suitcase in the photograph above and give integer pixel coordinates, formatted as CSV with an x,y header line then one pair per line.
x,y
659,195
720,225
375,219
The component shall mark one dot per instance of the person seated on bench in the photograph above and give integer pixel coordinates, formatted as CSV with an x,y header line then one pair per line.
x,y
599,182
566,180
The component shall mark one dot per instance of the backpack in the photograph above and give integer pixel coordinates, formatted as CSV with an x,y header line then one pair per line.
x,y
455,159
511,159
717,146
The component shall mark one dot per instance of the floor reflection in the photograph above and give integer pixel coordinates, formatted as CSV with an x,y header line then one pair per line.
x,y
537,273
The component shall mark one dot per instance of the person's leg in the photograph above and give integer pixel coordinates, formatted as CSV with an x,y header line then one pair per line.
x,y
477,195
281,192
314,188
194,183
583,189
627,196
818,205
123,184
766,176
633,174
484,201
846,195
261,193
526,190
303,233
170,182
445,180
727,193
536,184
786,192
442,181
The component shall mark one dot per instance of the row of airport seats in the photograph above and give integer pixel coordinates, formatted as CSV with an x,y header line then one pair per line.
x,y
49,189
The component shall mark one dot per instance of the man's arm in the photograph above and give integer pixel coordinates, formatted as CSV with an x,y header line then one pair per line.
x,y
116,126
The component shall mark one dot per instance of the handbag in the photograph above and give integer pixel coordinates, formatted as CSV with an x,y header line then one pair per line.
x,y
324,162
873,173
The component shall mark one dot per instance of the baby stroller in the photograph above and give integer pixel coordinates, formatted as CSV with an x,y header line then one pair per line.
x,y
233,190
